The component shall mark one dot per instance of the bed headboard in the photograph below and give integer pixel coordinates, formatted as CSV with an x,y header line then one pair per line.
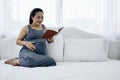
x,y
75,33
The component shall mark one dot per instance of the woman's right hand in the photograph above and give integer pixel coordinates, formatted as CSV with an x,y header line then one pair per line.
x,y
30,46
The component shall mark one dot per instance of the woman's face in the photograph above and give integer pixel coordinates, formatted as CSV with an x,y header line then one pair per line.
x,y
38,18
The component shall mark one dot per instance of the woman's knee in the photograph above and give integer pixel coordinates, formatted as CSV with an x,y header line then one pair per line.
x,y
52,61
27,62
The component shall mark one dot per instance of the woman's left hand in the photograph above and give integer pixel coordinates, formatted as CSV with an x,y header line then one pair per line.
x,y
50,39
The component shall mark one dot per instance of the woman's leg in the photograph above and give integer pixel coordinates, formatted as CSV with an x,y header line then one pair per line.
x,y
28,58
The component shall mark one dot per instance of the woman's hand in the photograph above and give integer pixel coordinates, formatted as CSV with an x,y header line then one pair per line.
x,y
50,39
30,46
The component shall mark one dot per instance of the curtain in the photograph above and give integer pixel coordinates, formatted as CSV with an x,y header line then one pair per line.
x,y
95,16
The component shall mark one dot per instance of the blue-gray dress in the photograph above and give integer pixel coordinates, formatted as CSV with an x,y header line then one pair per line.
x,y
36,58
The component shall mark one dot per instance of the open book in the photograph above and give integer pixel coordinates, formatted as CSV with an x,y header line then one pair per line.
x,y
50,33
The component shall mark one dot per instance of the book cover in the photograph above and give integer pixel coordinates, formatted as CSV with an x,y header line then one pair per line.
x,y
50,33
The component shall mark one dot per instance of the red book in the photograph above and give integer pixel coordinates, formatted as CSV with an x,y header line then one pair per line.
x,y
50,33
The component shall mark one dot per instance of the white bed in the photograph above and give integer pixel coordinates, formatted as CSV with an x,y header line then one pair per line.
x,y
73,62
109,70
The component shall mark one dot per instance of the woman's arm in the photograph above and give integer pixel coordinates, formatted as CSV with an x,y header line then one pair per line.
x,y
50,40
20,40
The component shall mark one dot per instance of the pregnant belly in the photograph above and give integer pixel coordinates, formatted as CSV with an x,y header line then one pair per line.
x,y
40,45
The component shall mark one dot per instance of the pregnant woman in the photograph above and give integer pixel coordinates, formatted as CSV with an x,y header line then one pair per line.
x,y
33,51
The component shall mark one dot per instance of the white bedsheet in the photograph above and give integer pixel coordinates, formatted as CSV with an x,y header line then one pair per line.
x,y
63,71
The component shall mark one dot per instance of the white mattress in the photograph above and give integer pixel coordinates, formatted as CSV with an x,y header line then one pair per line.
x,y
63,71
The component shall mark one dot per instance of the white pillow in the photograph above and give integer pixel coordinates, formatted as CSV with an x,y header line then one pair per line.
x,y
8,48
84,50
55,49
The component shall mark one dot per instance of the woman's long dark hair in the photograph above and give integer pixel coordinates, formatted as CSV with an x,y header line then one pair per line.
x,y
33,13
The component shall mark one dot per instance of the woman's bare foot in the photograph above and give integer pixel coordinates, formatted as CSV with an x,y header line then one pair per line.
x,y
13,61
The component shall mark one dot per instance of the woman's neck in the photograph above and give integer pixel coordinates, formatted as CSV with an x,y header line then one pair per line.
x,y
34,25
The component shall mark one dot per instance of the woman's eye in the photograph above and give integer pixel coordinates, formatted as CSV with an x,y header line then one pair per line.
x,y
38,17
